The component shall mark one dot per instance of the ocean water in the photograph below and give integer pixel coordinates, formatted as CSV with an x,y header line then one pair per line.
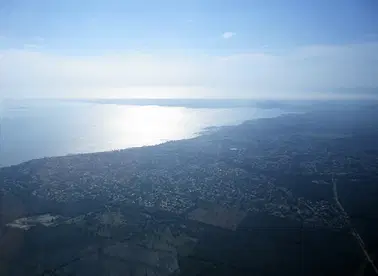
x,y
35,129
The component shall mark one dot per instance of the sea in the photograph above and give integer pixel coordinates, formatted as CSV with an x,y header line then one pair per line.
x,y
31,129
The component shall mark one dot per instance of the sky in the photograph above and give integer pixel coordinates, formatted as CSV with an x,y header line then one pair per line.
x,y
188,49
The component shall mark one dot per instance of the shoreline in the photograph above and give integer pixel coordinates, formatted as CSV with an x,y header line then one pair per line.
x,y
212,130
261,174
209,130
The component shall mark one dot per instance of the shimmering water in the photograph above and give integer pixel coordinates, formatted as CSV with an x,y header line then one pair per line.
x,y
34,129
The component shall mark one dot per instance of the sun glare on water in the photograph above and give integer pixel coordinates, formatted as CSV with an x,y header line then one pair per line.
x,y
147,125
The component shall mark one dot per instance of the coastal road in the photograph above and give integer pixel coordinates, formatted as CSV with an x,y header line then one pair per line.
x,y
352,229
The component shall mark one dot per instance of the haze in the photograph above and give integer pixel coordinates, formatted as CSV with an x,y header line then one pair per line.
x,y
189,49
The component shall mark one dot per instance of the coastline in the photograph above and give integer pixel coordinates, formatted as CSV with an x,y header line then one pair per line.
x,y
205,131
261,174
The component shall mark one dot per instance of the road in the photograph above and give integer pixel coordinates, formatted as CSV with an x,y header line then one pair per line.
x,y
352,229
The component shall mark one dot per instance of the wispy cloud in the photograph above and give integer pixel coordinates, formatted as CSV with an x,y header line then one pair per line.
x,y
227,35
35,42
30,46
38,39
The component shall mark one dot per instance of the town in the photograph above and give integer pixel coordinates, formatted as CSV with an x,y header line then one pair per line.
x,y
293,181
234,171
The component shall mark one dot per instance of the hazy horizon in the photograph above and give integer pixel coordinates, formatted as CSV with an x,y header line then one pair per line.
x,y
207,49
319,97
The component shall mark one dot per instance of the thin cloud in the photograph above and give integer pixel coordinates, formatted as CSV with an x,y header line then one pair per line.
x,y
30,46
228,35
39,39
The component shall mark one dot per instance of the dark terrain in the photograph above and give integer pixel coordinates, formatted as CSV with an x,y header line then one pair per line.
x,y
252,199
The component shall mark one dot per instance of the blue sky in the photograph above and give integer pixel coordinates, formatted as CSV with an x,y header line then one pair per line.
x,y
184,48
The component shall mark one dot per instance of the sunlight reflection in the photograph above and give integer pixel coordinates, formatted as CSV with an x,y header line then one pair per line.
x,y
148,125
60,128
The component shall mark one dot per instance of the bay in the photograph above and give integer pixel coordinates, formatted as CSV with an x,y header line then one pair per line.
x,y
33,129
